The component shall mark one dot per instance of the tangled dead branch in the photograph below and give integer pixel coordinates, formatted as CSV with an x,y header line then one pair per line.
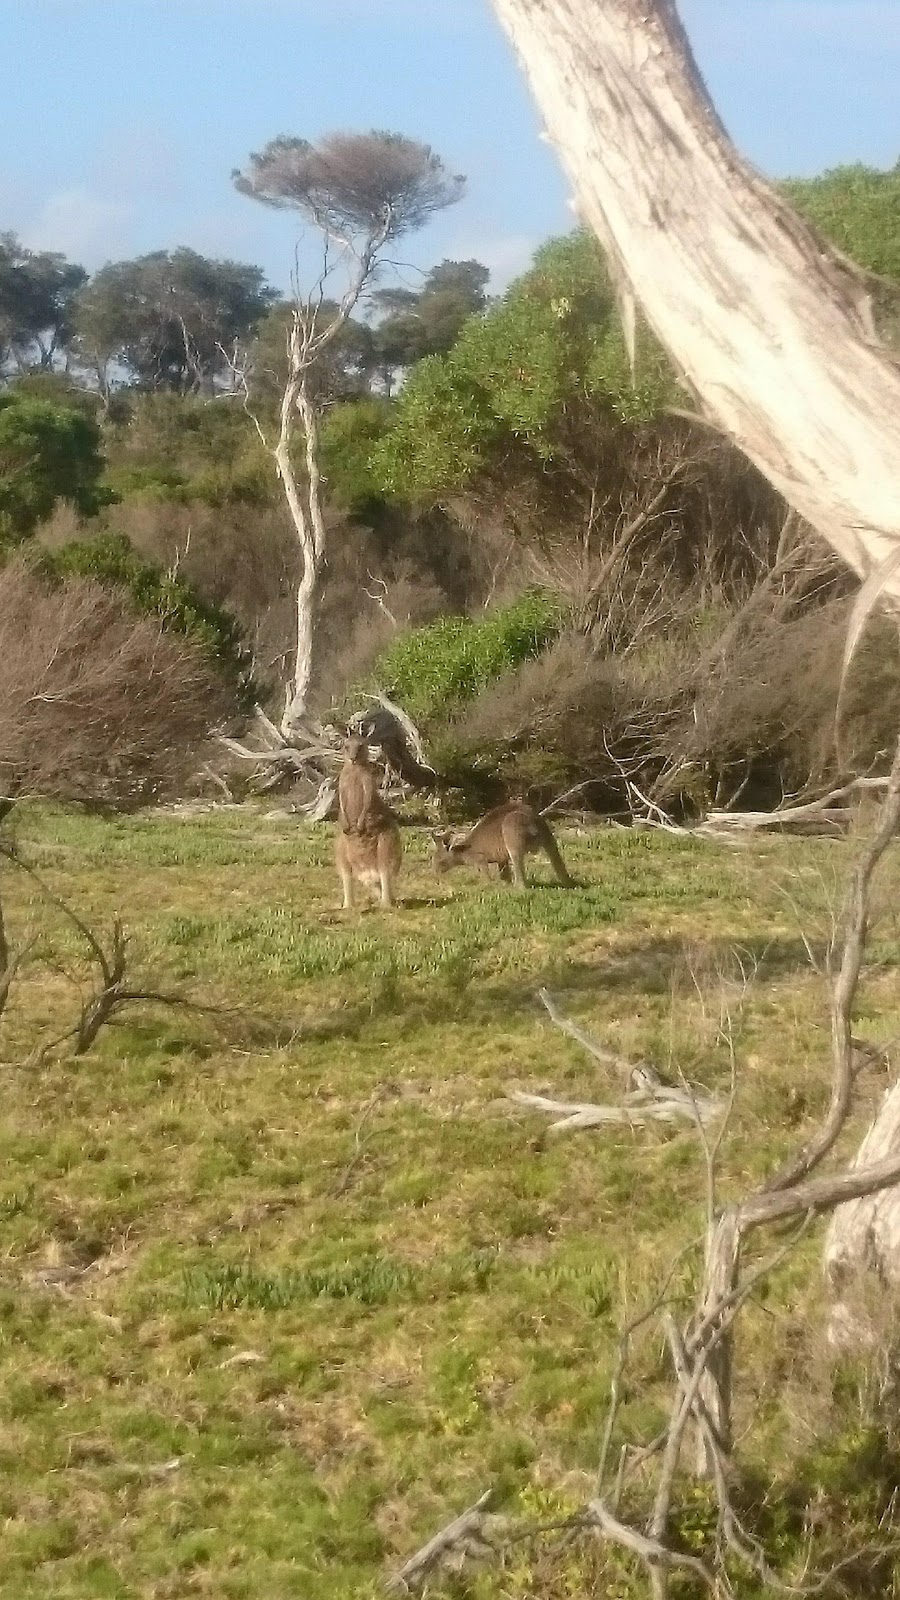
x,y
461,1537
316,753
111,989
647,1097
701,1351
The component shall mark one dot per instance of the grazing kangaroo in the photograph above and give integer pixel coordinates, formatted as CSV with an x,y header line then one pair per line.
x,y
503,838
367,848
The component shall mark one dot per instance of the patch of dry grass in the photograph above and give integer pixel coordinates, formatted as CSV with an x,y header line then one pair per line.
x,y
284,1287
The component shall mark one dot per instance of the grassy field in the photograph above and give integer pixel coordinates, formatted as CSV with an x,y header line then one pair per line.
x,y
331,1284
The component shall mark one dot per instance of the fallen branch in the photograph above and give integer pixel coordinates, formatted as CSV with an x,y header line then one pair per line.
x,y
456,1534
666,1107
648,1099
824,811
651,1551
599,1052
323,806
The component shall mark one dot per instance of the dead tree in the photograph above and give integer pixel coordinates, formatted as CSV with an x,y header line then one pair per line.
x,y
361,192
769,326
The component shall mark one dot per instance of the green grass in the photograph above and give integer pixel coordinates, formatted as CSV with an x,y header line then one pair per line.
x,y
335,1282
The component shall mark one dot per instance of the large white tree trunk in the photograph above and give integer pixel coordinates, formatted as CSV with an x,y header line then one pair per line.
x,y
771,328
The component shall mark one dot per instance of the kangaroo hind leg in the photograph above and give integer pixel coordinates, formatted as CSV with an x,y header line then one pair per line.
x,y
551,851
387,868
515,849
347,886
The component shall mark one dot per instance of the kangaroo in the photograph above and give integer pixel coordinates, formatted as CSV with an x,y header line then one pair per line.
x,y
503,838
367,847
357,786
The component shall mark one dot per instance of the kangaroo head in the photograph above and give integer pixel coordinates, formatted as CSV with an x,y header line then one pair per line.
x,y
357,749
442,855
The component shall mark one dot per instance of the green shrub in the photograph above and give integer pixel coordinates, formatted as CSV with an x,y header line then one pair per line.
x,y
453,659
157,482
48,452
245,483
110,560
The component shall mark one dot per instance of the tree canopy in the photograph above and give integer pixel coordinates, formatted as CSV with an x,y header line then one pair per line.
x,y
47,453
414,324
534,376
169,318
372,185
37,289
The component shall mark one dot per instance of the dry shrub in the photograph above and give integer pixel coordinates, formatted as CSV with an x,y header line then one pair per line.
x,y
245,558
364,604
690,719
765,700
96,704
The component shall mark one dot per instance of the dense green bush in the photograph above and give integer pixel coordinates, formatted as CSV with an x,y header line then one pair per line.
x,y
48,452
455,658
350,433
110,560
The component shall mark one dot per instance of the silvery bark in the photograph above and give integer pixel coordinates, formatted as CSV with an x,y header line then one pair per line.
x,y
770,327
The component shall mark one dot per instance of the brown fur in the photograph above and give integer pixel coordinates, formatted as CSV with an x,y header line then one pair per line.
x,y
367,848
372,859
503,838
358,796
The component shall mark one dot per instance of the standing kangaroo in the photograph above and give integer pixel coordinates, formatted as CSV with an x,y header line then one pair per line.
x,y
503,838
357,786
367,847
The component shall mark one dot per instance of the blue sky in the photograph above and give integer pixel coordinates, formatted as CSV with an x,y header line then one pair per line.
x,y
120,120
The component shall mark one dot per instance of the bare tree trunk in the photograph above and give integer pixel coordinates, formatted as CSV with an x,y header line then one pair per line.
x,y
723,1249
298,688
770,327
862,1245
307,521
305,346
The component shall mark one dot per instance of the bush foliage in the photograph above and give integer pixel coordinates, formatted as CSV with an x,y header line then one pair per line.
x,y
109,559
455,658
48,452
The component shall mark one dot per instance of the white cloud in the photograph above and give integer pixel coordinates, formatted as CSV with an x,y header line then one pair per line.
x,y
86,226
507,255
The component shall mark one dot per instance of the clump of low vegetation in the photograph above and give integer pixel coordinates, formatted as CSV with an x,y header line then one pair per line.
x,y
100,704
434,669
110,560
